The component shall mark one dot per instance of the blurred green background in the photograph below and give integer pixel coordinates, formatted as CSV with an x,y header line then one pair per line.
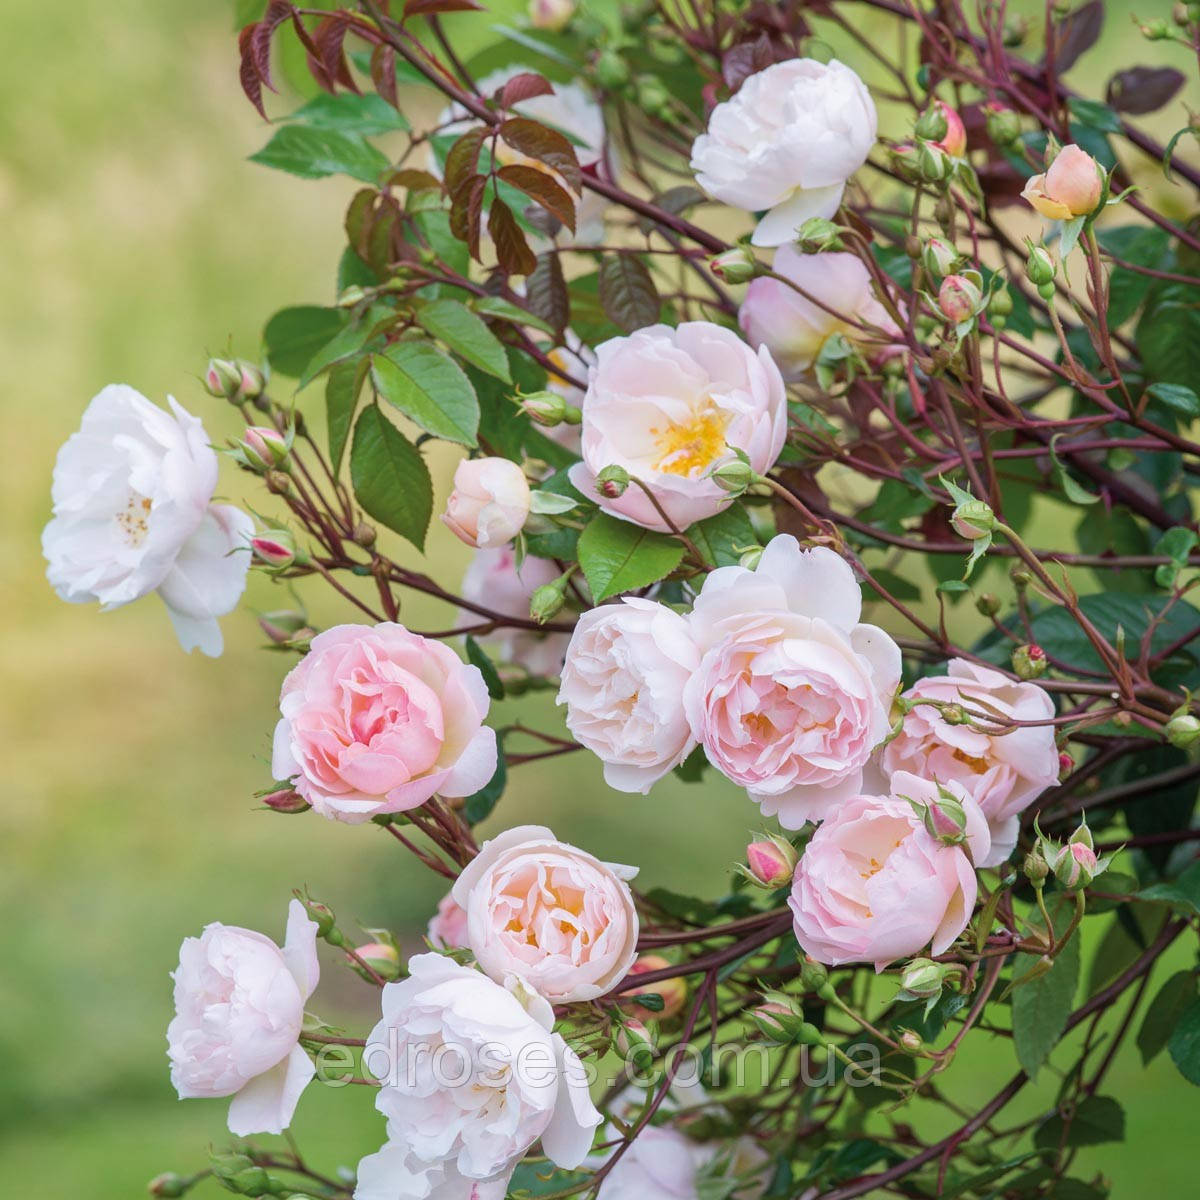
x,y
135,238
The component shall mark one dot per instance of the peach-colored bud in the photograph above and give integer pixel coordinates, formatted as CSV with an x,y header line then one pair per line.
x,y
490,502
1072,186
958,298
955,141
383,959
286,800
672,991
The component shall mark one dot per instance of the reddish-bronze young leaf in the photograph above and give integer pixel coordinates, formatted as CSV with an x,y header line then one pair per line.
x,y
277,12
330,38
1141,90
466,210
360,216
627,292
383,73
463,158
381,252
523,87
546,145
546,292
424,8
542,188
414,179
512,250
248,72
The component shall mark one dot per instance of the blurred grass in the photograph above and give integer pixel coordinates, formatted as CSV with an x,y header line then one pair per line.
x,y
135,237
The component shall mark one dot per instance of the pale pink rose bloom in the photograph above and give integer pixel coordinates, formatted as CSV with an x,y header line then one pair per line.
x,y
471,1076
490,502
239,1010
1004,772
494,581
874,886
1072,186
561,919
133,514
794,328
792,693
623,680
787,141
663,1164
448,926
376,719
670,405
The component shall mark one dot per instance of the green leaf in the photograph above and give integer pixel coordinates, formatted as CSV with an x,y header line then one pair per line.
x,y
346,112
1094,1121
1168,339
617,556
480,805
1176,544
1094,114
342,388
1040,1006
460,330
1074,492
1184,1043
315,153
722,539
1168,1005
491,678
1183,893
294,335
348,341
1176,397
390,477
429,388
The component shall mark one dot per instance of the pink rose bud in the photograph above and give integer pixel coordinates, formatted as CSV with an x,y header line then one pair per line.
x,y
1183,731
490,502
958,298
954,141
286,800
222,378
1003,125
635,1043
939,257
1071,187
276,548
265,448
672,991
551,15
549,409
972,519
736,265
251,380
383,959
612,481
1066,764
168,1185
1075,866
1029,661
771,862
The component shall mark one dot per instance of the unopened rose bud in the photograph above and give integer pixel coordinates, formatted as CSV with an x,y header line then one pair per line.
x,y
490,502
168,1185
286,800
954,141
939,258
264,447
278,483
652,96
818,234
735,265
383,959
612,71
545,408
612,481
944,818
222,378
546,601
551,15
1066,764
1156,31
734,476
954,714
933,163
973,519
777,1021
1029,661
239,1174
814,976
988,604
281,626
770,862
1183,731
321,913
635,1043
906,160
932,125
275,548
1075,866
673,992
1003,125
1035,866
252,381
959,298
1040,268
1071,187
1000,308
923,979
911,1041
350,297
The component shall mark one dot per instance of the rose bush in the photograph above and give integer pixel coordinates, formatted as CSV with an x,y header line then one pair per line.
x,y
891,531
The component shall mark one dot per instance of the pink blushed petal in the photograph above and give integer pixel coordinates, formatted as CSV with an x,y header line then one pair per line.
x,y
266,1104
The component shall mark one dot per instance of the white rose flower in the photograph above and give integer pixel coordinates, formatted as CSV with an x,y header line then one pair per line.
x,y
787,141
556,916
572,110
794,328
239,1009
471,1076
670,405
792,693
494,581
623,683
133,514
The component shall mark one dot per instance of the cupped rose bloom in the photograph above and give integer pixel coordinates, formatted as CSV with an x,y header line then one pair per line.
x,y
490,502
663,1164
792,693
239,1010
133,514
670,405
471,1076
1004,770
873,885
1071,187
572,110
794,328
623,682
448,926
494,581
556,916
376,719
787,141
